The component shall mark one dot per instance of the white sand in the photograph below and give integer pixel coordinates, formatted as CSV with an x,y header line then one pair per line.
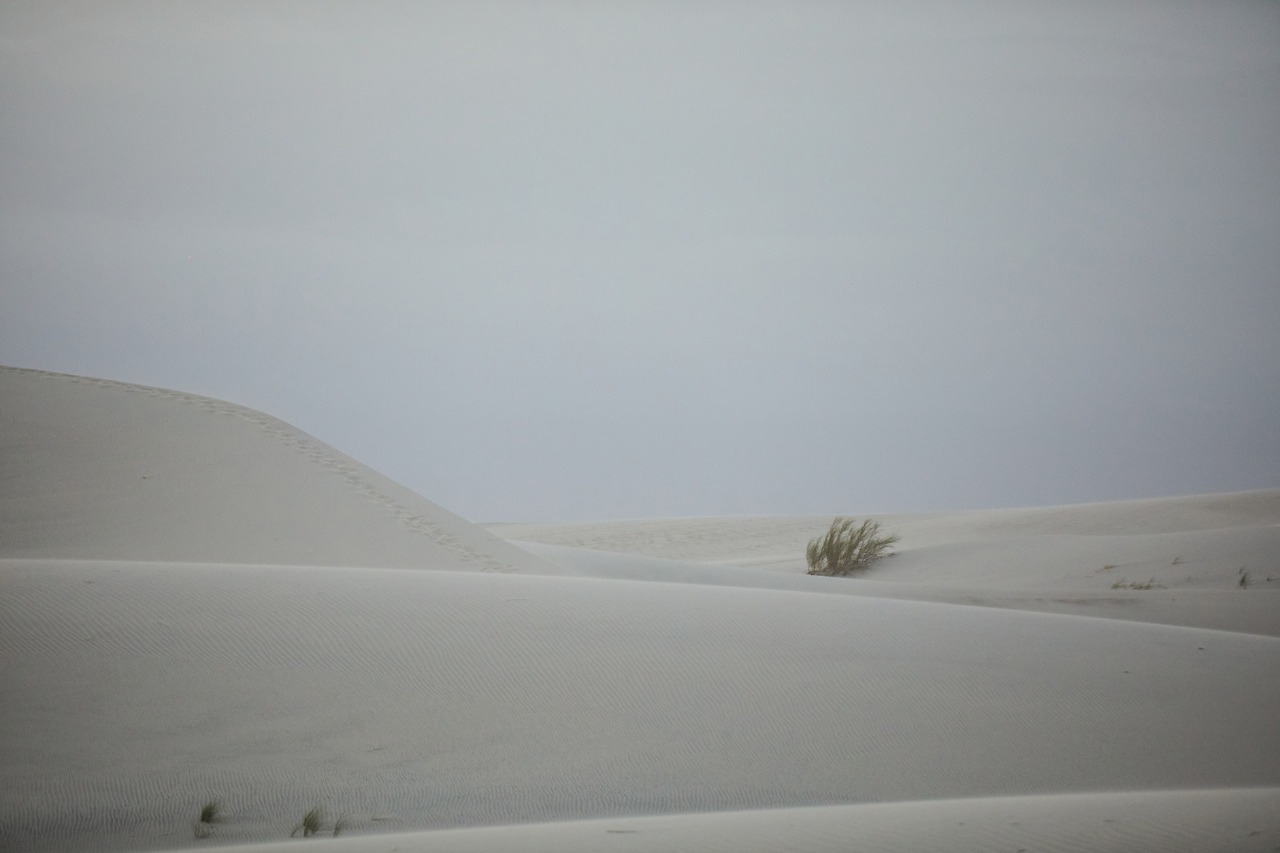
x,y
102,470
1055,559
243,628
1222,820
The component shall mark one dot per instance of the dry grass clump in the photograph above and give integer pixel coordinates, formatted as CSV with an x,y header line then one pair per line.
x,y
312,823
1134,584
210,812
846,548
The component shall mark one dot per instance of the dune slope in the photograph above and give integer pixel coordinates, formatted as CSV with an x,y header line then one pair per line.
x,y
1226,821
105,470
1205,561
137,691
242,629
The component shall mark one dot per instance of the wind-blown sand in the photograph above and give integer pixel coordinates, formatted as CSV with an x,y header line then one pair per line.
x,y
201,602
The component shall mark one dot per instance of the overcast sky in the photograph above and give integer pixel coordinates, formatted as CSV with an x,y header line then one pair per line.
x,y
589,260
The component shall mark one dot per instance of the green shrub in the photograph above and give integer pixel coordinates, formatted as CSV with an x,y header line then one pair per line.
x,y
846,548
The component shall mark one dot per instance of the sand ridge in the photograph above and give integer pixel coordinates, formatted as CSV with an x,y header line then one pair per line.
x,y
132,471
1178,561
777,540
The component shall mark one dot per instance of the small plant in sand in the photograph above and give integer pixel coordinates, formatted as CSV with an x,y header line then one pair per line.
x,y
1134,584
312,823
1244,577
846,548
211,811
339,825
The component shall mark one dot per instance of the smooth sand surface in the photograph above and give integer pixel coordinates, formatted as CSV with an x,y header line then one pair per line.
x,y
1193,551
261,638
1144,822
101,470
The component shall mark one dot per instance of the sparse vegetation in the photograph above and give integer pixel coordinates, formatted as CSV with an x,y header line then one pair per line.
x,y
846,548
1244,577
1176,560
202,827
1108,567
312,823
210,811
1122,584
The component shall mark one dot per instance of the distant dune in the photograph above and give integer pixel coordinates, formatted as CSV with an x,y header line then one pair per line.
x,y
201,603
1192,550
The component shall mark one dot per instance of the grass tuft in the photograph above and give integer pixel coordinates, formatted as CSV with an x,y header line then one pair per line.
x,y
846,548
312,822
1123,584
339,825
211,811
1244,578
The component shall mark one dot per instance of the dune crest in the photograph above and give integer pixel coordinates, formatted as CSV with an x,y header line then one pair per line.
x,y
97,469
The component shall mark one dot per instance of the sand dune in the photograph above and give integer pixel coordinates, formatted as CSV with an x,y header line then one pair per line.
x,y
1193,551
104,470
250,635
1146,822
780,542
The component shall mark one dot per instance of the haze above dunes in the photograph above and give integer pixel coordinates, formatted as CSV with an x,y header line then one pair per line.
x,y
201,601
583,261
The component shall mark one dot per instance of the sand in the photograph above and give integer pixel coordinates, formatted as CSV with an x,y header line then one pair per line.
x,y
102,470
201,602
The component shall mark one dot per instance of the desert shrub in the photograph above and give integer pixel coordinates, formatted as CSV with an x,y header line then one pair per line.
x,y
1122,584
312,822
847,548
211,811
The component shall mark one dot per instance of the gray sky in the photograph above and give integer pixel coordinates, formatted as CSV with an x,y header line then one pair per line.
x,y
559,261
